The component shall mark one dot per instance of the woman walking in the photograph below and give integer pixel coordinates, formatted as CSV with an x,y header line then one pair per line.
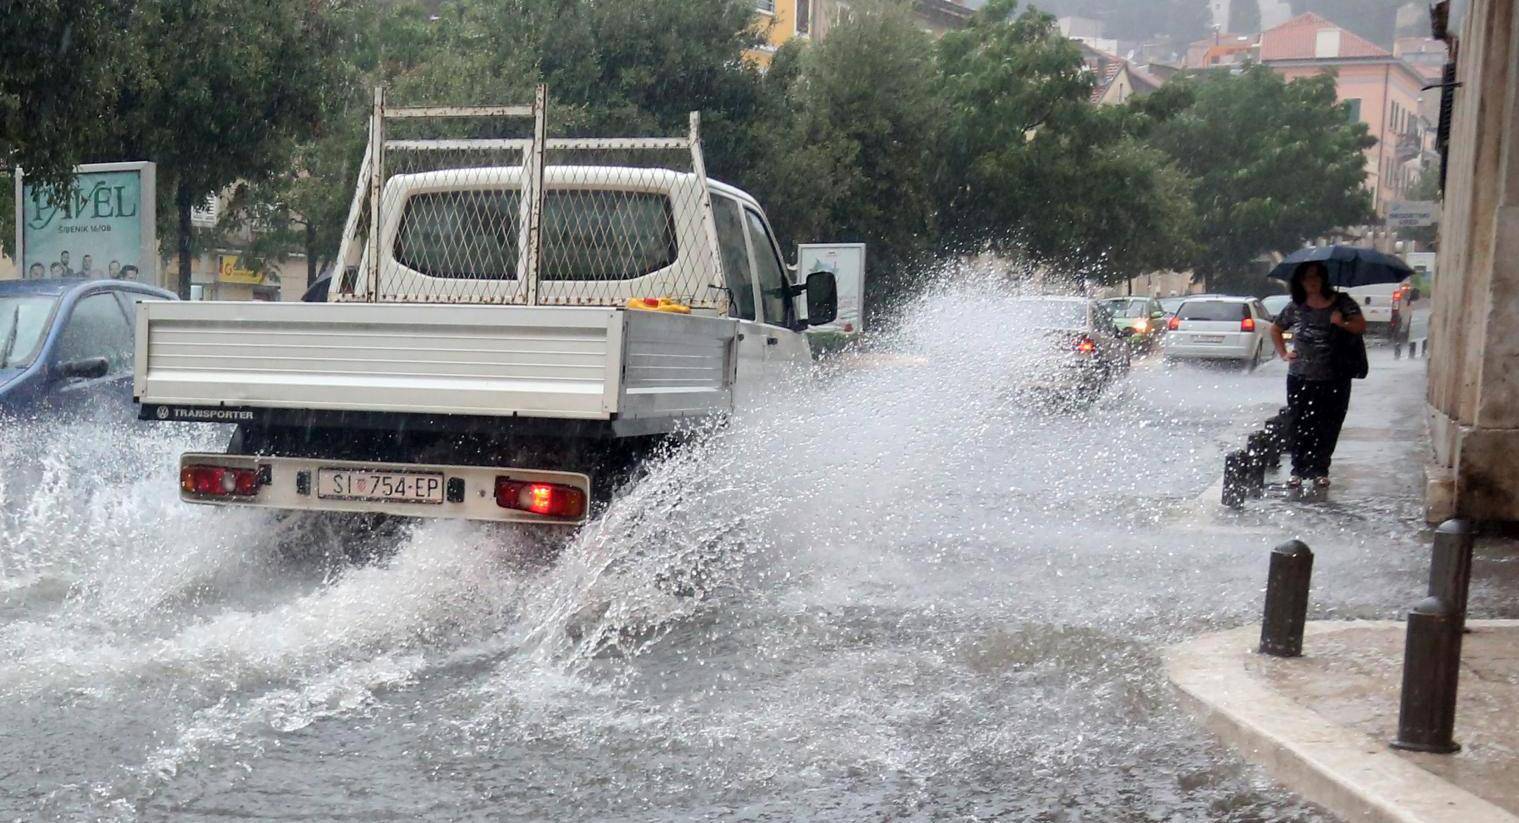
x,y
1318,371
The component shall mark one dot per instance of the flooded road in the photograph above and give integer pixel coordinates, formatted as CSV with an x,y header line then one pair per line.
x,y
890,591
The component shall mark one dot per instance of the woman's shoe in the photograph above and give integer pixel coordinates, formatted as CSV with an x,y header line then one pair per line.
x,y
1294,482
1322,482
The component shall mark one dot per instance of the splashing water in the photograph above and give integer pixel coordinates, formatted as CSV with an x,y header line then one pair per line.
x,y
890,588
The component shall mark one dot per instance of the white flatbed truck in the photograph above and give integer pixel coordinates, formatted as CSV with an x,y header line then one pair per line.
x,y
504,346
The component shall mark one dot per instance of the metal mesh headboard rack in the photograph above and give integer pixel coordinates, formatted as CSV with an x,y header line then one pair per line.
x,y
526,220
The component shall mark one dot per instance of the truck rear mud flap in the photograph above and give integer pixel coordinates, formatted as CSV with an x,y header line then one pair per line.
x,y
497,494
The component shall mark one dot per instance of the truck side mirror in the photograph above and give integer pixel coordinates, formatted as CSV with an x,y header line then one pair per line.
x,y
89,368
822,298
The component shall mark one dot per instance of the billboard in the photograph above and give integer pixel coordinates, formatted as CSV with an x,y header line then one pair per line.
x,y
847,262
104,227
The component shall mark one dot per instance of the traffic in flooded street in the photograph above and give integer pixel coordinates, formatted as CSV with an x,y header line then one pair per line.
x,y
1072,411
891,589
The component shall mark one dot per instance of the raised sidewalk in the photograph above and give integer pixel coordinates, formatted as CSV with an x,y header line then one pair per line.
x,y
1320,724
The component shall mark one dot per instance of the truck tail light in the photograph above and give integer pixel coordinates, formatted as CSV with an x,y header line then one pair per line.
x,y
1248,324
547,499
218,481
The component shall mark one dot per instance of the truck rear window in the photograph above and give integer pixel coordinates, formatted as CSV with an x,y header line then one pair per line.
x,y
587,235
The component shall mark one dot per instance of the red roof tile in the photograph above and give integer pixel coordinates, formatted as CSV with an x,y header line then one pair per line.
x,y
1297,39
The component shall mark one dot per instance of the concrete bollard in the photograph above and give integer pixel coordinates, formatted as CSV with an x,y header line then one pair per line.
x,y
1255,454
1289,437
1450,564
1262,446
1431,670
1236,478
1286,599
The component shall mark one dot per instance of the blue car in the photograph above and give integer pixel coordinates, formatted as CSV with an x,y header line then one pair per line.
x,y
66,345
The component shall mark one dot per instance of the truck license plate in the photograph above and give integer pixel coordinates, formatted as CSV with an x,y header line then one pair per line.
x,y
390,487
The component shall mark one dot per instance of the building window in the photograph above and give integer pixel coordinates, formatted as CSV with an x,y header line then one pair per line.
x,y
766,6
803,16
1354,106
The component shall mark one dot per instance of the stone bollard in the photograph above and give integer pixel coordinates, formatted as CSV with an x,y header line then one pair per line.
x,y
1450,564
1236,478
1431,669
1262,446
1289,437
1286,599
1255,453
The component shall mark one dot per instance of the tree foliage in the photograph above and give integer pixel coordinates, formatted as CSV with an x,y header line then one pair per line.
x,y
1274,163
220,91
1033,168
986,140
1245,16
851,147
59,80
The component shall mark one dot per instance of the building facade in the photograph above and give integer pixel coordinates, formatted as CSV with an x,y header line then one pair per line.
x,y
1383,91
1474,366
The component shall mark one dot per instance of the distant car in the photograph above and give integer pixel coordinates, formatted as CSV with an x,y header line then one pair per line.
x,y
1076,352
68,343
1275,303
1140,320
1220,328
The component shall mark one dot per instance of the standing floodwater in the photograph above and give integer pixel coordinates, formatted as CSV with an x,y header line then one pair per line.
x,y
891,590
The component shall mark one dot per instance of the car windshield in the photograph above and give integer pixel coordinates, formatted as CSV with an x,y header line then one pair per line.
x,y
1128,308
1212,310
1050,314
23,321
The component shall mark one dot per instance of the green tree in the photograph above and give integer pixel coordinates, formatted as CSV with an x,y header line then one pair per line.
x,y
850,156
59,76
304,206
1245,16
220,91
1034,169
1274,164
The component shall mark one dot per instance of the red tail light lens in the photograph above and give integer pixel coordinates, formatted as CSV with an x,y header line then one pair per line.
x,y
1085,345
547,499
1174,323
1248,324
218,481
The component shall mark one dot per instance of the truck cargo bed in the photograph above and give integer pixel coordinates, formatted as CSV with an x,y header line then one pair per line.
x,y
570,363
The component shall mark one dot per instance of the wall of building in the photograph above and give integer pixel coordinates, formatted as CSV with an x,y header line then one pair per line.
x,y
1389,95
1474,365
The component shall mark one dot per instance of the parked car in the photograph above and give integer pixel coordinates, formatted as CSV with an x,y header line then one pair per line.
x,y
1140,320
1219,328
66,344
1078,352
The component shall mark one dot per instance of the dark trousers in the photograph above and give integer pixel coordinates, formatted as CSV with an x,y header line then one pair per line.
x,y
1318,411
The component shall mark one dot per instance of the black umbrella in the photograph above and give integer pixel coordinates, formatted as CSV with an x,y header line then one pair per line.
x,y
1349,266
